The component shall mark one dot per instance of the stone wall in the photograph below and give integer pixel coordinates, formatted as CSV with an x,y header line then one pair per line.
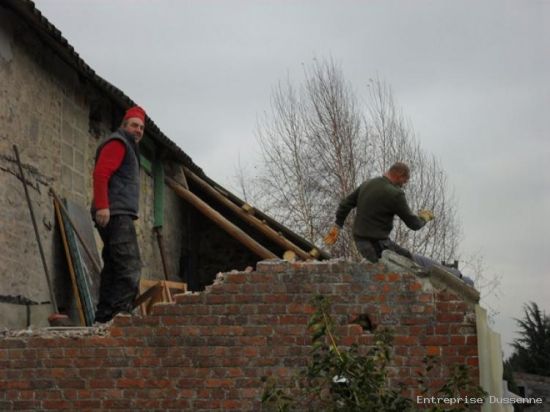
x,y
33,109
45,110
209,350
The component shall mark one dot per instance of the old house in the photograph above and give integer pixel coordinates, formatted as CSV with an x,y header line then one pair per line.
x,y
56,109
204,351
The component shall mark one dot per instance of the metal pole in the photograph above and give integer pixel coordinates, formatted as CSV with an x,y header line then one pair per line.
x,y
52,296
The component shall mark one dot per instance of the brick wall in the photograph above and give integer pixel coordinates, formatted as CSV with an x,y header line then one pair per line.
x,y
208,351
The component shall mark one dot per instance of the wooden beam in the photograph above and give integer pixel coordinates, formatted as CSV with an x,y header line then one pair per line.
x,y
246,214
69,262
147,294
219,220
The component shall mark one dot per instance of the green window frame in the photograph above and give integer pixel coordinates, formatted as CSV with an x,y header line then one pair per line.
x,y
152,164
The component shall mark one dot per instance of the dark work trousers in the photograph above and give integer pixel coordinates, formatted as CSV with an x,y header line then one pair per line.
x,y
121,267
371,249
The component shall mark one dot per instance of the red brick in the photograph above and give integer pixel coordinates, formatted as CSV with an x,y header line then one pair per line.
x,y
18,385
434,340
253,340
26,405
416,286
300,308
236,277
277,298
366,298
116,331
415,361
293,320
249,351
262,278
188,298
471,340
405,340
418,320
424,297
394,277
7,343
87,404
232,404
458,340
385,309
215,383
206,404
57,405
416,351
417,330
354,330
250,298
446,296
71,383
130,383
218,299
117,404
450,317
433,350
449,351
249,393
177,404
234,372
467,350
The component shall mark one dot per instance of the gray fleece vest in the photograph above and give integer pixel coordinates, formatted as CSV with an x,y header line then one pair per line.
x,y
124,183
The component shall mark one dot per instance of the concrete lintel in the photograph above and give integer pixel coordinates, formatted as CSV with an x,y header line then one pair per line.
x,y
440,277
437,276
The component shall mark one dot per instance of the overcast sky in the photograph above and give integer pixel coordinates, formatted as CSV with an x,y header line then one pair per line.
x,y
473,77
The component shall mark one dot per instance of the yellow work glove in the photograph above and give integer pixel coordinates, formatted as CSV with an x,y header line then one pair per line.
x,y
332,236
426,215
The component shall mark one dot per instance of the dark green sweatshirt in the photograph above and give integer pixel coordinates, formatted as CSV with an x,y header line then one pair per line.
x,y
377,201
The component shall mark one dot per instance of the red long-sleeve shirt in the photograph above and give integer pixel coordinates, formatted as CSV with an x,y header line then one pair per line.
x,y
109,160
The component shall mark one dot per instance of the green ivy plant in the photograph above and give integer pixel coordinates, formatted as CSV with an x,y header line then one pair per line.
x,y
347,380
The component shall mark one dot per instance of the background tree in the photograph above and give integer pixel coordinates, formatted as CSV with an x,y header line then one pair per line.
x,y
318,144
532,349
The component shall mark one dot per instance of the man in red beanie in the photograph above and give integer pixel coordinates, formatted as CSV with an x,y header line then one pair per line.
x,y
115,206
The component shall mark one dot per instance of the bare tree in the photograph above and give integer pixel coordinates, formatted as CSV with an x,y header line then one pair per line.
x,y
318,144
394,140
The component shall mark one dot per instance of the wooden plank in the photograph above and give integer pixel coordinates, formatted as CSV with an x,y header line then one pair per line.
x,y
144,296
147,283
219,220
246,213
82,275
82,227
176,285
69,262
155,291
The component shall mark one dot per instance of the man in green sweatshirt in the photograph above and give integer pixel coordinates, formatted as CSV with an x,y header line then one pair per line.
x,y
377,201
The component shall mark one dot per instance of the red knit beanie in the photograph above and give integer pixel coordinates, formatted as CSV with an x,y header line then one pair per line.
x,y
135,111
